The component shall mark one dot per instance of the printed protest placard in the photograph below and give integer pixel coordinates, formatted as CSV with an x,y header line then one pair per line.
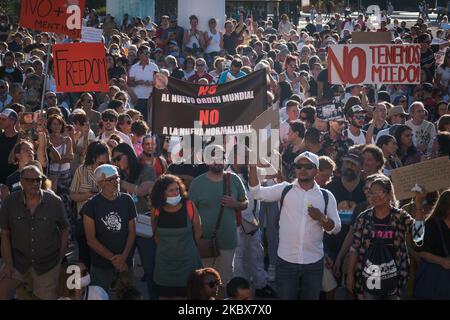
x,y
374,64
330,111
80,67
58,16
89,34
432,175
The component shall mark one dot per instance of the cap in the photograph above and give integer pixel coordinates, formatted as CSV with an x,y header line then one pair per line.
x,y
313,158
9,114
105,171
351,85
353,157
354,109
397,110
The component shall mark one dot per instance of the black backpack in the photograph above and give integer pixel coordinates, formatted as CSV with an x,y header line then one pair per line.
x,y
379,270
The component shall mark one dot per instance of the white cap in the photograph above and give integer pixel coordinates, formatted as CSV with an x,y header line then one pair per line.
x,y
105,171
313,158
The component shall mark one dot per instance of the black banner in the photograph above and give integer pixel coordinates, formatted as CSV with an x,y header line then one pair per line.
x,y
184,108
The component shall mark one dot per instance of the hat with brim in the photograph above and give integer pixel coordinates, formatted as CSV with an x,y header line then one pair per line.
x,y
397,110
9,114
355,109
313,158
353,157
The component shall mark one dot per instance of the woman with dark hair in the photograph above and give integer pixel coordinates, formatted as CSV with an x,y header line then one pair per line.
x,y
388,145
284,92
436,253
407,152
373,160
442,108
176,228
189,67
443,123
84,187
137,180
59,168
441,145
114,72
124,123
203,284
379,239
290,74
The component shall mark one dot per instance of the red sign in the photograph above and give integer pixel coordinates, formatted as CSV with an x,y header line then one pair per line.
x,y
80,67
58,16
374,64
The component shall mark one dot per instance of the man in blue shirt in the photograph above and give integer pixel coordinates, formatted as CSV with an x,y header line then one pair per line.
x,y
234,73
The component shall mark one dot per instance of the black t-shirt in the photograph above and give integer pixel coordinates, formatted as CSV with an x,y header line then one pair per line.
x,y
15,74
311,28
193,170
5,28
230,42
111,224
432,240
313,87
383,229
12,182
278,66
346,203
7,144
116,72
323,77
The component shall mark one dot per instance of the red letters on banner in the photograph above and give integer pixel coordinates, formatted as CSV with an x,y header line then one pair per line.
x,y
80,67
209,117
374,64
207,90
58,16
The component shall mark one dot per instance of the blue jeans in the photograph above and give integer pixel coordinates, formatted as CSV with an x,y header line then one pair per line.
x,y
269,216
147,251
298,281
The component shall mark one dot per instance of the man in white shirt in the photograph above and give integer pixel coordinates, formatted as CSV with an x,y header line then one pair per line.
x,y
141,79
356,116
305,214
293,112
424,131
109,120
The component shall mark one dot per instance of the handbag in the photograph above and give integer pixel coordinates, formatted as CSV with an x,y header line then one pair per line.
x,y
209,248
250,222
144,225
432,280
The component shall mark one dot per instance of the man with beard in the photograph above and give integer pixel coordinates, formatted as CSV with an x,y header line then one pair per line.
x,y
306,212
348,190
356,116
208,194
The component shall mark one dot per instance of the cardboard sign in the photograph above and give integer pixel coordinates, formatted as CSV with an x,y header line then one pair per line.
x,y
371,37
374,64
89,34
330,111
80,67
432,175
58,16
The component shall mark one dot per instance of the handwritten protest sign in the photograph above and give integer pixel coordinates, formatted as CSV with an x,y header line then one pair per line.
x,y
374,64
432,175
89,34
58,16
80,67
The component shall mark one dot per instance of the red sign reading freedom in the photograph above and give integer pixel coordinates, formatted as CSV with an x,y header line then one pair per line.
x,y
80,67
58,16
374,64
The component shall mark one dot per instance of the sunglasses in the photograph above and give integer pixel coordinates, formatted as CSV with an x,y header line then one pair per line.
x,y
308,166
109,119
117,158
341,123
115,178
33,180
360,117
200,65
212,284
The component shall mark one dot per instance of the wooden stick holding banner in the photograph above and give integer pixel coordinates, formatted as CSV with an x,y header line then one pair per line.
x,y
47,62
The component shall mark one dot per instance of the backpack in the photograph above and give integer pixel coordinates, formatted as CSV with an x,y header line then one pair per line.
x,y
380,272
189,208
289,187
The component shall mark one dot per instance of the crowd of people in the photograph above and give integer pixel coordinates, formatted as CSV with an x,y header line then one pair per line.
x,y
86,184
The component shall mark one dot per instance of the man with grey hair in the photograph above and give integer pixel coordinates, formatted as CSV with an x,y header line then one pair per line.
x,y
35,232
423,130
109,225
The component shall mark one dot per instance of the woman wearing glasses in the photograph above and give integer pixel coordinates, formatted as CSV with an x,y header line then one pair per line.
x,y
176,229
203,284
388,144
137,180
379,263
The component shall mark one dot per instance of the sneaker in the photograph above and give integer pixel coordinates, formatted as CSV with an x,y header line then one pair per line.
x,y
271,273
266,292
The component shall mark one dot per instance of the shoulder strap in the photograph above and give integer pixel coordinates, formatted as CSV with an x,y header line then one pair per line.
x,y
190,210
325,198
284,193
156,212
225,179
442,238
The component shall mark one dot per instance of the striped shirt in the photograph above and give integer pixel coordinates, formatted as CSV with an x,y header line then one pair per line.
x,y
83,181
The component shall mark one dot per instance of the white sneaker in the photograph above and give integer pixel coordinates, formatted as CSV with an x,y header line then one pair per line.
x,y
271,273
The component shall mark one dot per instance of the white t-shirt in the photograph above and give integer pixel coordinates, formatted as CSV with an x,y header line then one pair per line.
x,y
146,74
121,135
360,139
444,73
424,133
284,130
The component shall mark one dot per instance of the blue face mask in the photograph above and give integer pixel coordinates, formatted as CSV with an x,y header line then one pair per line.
x,y
173,201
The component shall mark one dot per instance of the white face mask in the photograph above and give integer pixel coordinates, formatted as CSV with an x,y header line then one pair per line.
x,y
85,281
173,201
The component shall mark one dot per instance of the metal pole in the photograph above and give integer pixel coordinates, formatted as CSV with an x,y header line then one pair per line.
x,y
46,72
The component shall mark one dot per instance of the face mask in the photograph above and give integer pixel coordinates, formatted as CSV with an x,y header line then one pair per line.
x,y
173,201
9,70
85,281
